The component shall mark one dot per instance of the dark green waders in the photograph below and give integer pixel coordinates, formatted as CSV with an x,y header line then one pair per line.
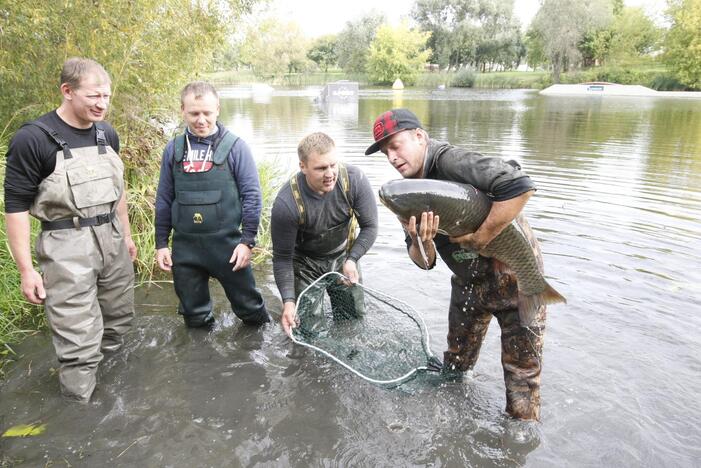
x,y
206,216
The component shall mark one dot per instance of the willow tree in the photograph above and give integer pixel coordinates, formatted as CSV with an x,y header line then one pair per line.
x,y
353,42
563,24
481,33
274,47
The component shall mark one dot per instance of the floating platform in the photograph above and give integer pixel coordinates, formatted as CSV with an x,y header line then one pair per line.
x,y
598,88
340,91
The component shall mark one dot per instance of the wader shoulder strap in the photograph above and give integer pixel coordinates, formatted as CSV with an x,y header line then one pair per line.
x,y
297,195
100,138
179,151
53,134
223,147
345,189
345,184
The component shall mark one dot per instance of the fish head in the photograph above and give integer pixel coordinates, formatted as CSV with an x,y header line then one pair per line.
x,y
404,197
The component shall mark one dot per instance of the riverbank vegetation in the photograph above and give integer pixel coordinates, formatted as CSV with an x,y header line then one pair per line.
x,y
568,41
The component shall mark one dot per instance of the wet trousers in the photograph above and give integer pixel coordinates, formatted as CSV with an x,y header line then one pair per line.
x,y
89,304
198,259
472,306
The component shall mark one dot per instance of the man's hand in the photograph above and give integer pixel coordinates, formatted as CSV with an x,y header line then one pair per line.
x,y
475,241
501,214
422,250
241,257
289,317
131,247
163,258
428,227
350,271
33,286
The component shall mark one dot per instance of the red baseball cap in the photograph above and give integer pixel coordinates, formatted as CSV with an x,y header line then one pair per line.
x,y
391,122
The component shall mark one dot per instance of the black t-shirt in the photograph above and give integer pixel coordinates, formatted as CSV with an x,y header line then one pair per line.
x,y
31,157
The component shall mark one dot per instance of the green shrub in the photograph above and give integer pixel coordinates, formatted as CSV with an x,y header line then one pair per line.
x,y
666,82
465,78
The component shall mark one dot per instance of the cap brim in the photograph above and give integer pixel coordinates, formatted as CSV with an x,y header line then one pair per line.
x,y
375,147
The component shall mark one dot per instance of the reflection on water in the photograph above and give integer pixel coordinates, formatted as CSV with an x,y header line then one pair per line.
x,y
617,212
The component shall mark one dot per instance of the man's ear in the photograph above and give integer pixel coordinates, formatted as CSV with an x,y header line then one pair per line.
x,y
66,91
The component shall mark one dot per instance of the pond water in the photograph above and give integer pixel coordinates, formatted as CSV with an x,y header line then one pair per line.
x,y
617,212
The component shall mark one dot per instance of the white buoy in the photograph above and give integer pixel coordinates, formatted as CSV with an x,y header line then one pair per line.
x,y
398,84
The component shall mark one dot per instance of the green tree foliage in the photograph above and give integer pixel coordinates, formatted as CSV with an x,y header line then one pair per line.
x,y
634,34
563,24
323,52
353,42
683,41
397,52
631,35
482,33
148,47
273,48
535,49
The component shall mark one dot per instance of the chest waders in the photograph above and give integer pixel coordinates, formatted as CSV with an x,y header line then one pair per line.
x,y
85,265
206,215
319,253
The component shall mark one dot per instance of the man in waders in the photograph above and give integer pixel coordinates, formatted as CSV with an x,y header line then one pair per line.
x,y
481,287
209,195
64,170
313,228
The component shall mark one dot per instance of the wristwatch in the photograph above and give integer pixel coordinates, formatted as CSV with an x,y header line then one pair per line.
x,y
250,244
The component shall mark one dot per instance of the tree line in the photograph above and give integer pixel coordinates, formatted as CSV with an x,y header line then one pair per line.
x,y
483,36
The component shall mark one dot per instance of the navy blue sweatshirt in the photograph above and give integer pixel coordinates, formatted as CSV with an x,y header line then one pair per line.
x,y
243,168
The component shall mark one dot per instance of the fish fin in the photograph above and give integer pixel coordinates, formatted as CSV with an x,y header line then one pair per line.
x,y
552,296
528,305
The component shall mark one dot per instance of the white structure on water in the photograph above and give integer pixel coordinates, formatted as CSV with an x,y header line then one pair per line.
x,y
612,89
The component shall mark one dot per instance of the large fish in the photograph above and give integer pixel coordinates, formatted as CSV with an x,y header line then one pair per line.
x,y
462,209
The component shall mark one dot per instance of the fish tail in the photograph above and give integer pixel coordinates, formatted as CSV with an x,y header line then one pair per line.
x,y
528,305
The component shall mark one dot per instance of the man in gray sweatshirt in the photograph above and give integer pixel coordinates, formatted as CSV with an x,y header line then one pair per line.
x,y
312,224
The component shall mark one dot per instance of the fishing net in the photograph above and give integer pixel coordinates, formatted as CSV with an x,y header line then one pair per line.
x,y
377,337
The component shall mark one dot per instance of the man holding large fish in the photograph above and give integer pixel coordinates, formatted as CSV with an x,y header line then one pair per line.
x,y
480,233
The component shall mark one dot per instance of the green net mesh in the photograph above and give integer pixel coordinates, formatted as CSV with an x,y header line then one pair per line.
x,y
375,336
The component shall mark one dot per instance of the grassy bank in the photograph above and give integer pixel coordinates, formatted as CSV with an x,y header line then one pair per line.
x,y
141,153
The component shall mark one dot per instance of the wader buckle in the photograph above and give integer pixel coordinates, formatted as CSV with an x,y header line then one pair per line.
x,y
103,218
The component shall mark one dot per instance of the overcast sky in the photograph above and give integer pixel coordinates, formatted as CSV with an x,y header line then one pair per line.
x,y
319,17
